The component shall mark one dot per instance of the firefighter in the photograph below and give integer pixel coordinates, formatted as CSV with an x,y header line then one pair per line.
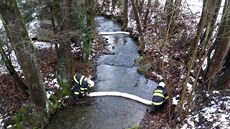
x,y
159,98
81,85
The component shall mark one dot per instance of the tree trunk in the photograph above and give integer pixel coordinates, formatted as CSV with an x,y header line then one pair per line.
x,y
89,32
221,49
12,71
223,79
113,4
172,9
20,41
140,4
192,60
212,19
169,10
136,16
64,55
125,14
146,15
139,29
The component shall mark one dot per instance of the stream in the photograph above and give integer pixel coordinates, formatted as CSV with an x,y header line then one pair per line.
x,y
115,72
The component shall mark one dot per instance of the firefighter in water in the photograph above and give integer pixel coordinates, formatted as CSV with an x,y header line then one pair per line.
x,y
159,98
81,85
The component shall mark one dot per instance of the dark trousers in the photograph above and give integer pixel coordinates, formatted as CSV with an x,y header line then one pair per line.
x,y
77,89
155,108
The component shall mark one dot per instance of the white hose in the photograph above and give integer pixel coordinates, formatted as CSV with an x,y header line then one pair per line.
x,y
121,94
116,32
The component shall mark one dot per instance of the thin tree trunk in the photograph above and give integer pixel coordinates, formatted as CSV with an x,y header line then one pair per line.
x,y
172,9
136,16
169,10
140,6
192,60
125,12
223,79
12,71
214,18
141,38
203,17
114,4
64,55
146,15
168,6
221,50
89,32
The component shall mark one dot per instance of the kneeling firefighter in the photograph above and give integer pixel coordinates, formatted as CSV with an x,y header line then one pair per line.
x,y
81,85
159,98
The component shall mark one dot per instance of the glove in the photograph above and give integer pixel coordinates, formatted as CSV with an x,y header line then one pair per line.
x,y
86,94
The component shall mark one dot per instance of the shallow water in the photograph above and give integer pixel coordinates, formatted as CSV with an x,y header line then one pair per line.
x,y
115,72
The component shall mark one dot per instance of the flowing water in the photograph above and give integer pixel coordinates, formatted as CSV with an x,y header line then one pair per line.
x,y
115,72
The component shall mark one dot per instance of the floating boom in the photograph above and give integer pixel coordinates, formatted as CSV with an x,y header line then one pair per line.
x,y
121,94
116,32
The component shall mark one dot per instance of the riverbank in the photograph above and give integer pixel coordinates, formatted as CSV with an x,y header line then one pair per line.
x,y
12,98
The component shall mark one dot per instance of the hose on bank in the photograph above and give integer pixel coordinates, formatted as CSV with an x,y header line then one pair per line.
x,y
120,94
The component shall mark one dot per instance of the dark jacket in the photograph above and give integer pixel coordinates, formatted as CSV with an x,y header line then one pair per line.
x,y
159,96
80,86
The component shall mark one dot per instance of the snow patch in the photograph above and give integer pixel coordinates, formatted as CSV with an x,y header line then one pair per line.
x,y
189,87
49,93
157,75
165,58
215,114
175,101
1,120
42,45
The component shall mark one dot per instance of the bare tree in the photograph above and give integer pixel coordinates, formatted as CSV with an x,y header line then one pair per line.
x,y
11,70
61,10
125,14
221,49
191,61
146,18
89,32
139,28
114,3
19,39
172,8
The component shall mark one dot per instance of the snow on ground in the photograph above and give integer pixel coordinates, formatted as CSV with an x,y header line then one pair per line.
x,y
37,45
213,115
33,27
51,82
195,6
216,113
1,119
14,61
1,25
42,45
